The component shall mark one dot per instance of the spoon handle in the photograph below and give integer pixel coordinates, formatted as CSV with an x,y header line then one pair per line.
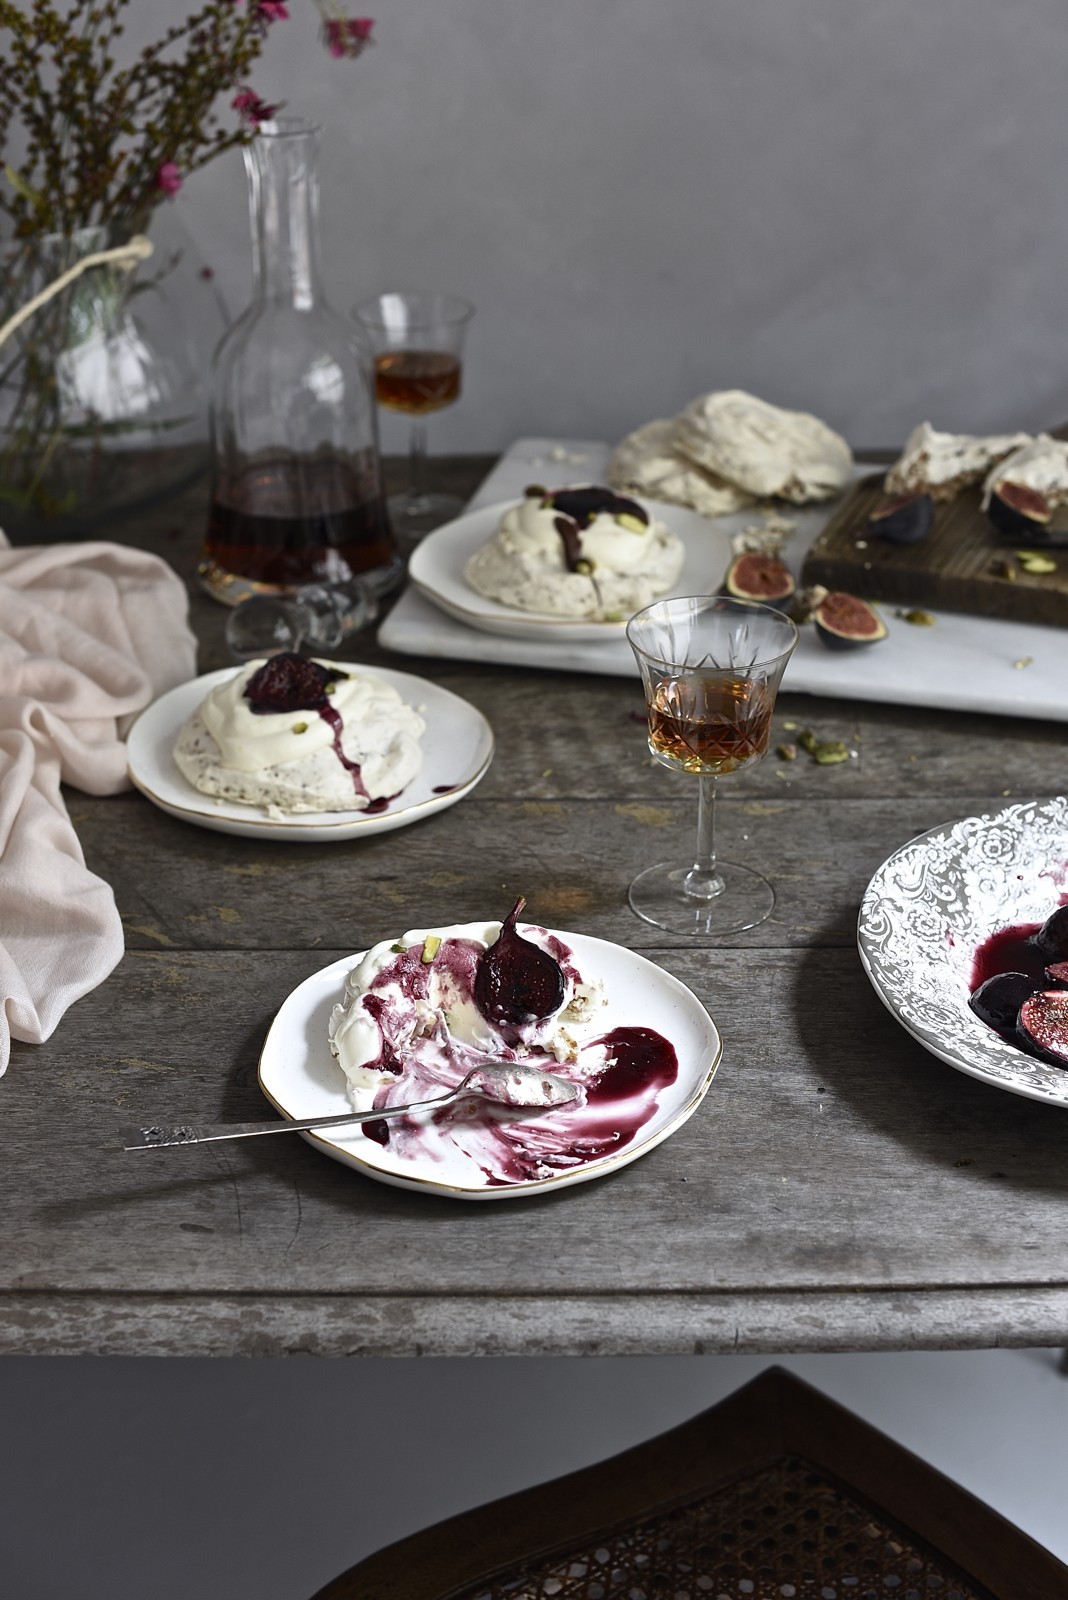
x,y
157,1136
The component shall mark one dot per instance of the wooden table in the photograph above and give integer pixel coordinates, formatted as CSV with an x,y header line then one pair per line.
x,y
838,1189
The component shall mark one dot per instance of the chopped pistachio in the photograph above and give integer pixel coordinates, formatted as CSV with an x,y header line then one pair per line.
x,y
431,946
300,727
830,753
584,566
398,949
808,741
633,524
919,619
615,616
788,752
1024,661
1032,562
790,726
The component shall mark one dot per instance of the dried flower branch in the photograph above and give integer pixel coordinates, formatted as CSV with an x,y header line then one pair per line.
x,y
104,143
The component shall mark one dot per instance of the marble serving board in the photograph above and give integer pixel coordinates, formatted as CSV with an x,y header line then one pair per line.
x,y
963,663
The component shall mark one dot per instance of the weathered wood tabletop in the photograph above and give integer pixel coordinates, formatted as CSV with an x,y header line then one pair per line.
x,y
838,1188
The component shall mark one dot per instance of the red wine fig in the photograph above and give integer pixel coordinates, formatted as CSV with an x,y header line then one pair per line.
x,y
1051,940
1042,1026
515,982
289,682
997,1002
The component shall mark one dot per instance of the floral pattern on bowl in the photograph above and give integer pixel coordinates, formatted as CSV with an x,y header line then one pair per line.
x,y
933,903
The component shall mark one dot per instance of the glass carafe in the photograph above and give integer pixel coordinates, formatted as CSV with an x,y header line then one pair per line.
x,y
297,493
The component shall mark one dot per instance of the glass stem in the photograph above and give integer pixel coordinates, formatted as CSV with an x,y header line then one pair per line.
x,y
702,881
417,466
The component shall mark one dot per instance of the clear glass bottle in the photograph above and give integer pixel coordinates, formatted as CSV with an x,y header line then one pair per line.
x,y
297,494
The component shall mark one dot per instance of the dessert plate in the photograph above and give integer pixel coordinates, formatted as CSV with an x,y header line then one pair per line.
x,y
457,750
436,569
300,1077
934,902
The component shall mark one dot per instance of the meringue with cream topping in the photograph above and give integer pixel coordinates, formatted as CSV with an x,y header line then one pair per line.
x,y
584,552
295,735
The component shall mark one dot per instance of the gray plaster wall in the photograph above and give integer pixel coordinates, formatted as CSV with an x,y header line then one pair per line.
x,y
858,207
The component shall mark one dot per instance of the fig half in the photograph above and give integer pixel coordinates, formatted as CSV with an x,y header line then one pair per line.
x,y
765,578
843,622
1042,1026
902,518
997,1002
1025,515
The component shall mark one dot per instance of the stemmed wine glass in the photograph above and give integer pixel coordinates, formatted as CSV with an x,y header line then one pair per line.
x,y
417,341
711,669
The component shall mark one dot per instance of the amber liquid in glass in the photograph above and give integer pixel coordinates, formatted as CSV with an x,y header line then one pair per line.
x,y
290,521
710,724
416,381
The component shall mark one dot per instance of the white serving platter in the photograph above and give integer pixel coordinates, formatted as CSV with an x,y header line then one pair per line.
x,y
962,663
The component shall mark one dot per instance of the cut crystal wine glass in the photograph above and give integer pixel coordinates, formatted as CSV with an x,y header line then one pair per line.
x,y
417,344
711,669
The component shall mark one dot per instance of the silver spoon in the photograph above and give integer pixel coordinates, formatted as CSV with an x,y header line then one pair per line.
x,y
507,1083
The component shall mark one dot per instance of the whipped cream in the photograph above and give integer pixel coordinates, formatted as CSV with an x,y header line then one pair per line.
x,y
762,448
619,560
1040,464
361,749
941,464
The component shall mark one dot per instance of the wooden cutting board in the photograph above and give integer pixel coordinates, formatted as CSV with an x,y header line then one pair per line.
x,y
956,567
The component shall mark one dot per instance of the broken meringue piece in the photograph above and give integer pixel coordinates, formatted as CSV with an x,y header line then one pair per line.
x,y
790,455
942,464
647,463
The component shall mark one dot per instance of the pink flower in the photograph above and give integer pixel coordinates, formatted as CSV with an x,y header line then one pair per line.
x,y
347,36
251,108
272,10
169,178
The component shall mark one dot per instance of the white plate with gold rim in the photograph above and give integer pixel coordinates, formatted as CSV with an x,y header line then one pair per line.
x,y
436,569
300,1077
457,749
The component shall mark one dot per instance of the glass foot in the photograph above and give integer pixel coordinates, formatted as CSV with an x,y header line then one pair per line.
x,y
658,896
412,516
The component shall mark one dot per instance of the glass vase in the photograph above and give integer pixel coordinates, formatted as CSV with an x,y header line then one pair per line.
x,y
297,495
103,403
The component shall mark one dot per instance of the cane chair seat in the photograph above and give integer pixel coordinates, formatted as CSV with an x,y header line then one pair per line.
x,y
777,1493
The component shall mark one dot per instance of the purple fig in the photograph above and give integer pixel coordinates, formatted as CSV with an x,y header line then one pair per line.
x,y
1057,975
515,982
1051,940
997,1002
289,682
1042,1026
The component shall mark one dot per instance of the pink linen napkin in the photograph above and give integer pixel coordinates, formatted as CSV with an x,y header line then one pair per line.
x,y
89,635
